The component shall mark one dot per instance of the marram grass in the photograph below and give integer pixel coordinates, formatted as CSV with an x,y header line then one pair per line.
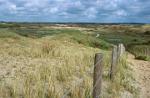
x,y
52,68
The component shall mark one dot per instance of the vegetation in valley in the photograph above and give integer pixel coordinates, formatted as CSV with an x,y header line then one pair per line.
x,y
136,38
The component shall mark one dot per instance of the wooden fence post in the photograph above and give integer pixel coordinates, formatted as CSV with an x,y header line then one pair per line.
x,y
97,78
114,62
121,50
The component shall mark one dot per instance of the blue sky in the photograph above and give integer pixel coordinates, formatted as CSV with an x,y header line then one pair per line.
x,y
75,10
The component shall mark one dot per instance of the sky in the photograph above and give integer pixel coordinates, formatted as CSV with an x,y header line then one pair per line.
x,y
100,11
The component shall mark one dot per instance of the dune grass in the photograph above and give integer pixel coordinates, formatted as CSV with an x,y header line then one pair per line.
x,y
141,52
5,33
57,66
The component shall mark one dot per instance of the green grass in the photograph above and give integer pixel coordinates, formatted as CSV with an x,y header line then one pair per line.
x,y
73,34
141,52
36,33
135,38
86,39
9,25
5,33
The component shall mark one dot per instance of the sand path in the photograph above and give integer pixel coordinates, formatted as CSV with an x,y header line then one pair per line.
x,y
141,70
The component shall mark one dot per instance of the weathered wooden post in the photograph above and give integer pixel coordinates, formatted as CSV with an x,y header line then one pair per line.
x,y
114,62
121,50
97,78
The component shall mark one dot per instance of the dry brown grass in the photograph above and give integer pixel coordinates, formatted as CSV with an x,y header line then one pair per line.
x,y
44,68
50,68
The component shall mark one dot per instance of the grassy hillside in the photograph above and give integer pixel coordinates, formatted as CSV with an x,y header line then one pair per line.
x,y
134,37
57,63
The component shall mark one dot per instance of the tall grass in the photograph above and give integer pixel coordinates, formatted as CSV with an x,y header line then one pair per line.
x,y
54,67
56,70
140,51
123,82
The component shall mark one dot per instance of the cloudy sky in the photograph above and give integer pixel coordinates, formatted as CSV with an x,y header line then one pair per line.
x,y
75,10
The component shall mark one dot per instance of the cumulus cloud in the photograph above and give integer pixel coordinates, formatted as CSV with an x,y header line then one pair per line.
x,y
120,13
91,12
76,10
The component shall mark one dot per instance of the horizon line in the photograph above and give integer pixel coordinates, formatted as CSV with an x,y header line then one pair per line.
x,y
75,22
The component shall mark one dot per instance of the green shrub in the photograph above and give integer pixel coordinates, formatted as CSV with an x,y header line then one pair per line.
x,y
88,40
9,25
5,33
141,57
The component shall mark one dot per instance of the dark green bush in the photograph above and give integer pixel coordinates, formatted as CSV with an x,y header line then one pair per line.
x,y
141,57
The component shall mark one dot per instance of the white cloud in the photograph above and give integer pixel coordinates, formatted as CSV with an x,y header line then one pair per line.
x,y
78,4
51,10
107,4
70,9
12,7
54,10
120,13
7,6
91,12
36,3
60,0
